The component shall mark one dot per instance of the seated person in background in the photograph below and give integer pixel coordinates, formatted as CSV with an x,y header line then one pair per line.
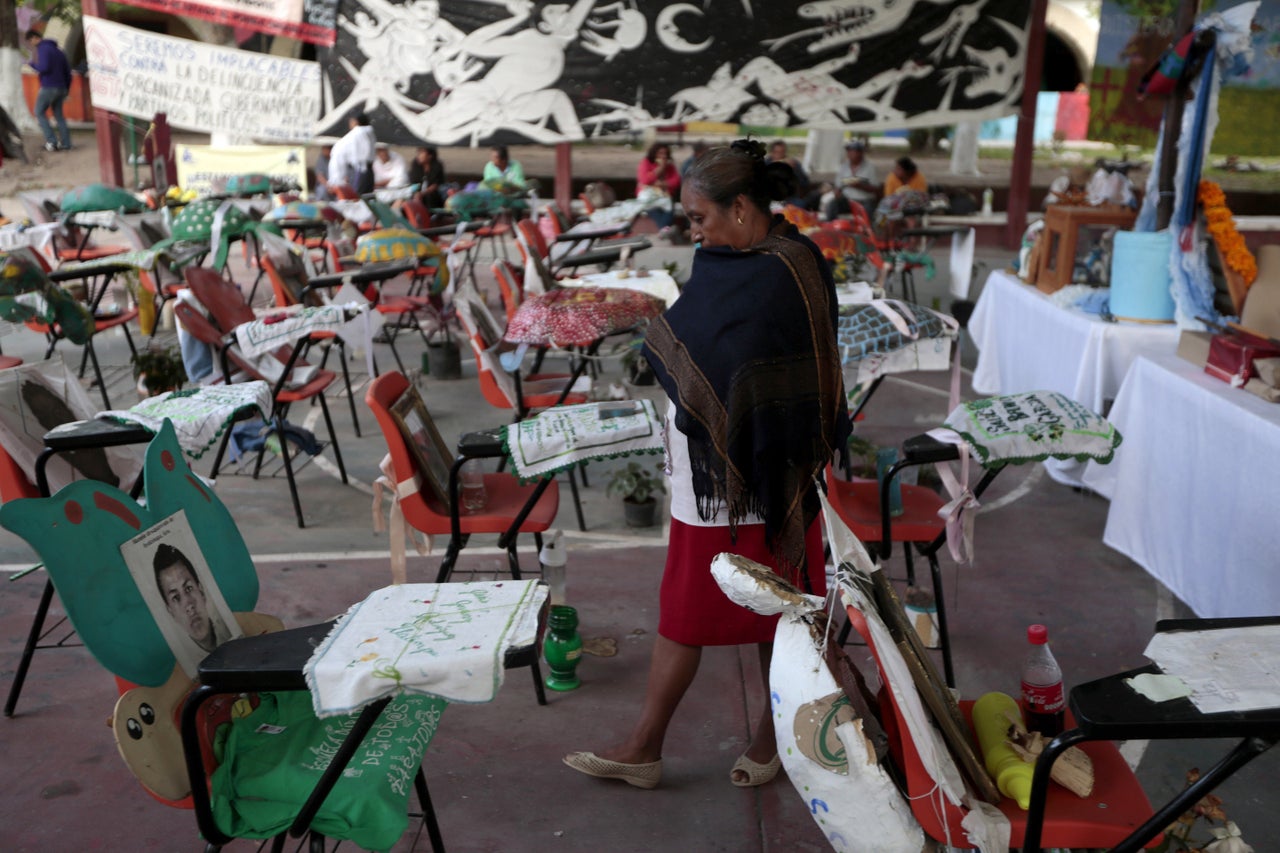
x,y
656,172
390,172
501,172
778,154
856,180
905,175
427,171
906,194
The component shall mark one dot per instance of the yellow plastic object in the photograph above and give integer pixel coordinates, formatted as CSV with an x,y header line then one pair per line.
x,y
1012,774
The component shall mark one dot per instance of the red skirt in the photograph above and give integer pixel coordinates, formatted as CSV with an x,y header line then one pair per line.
x,y
692,608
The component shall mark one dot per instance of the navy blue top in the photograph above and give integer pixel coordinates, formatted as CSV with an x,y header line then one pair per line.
x,y
52,66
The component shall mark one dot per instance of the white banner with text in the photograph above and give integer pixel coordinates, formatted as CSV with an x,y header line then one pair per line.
x,y
201,87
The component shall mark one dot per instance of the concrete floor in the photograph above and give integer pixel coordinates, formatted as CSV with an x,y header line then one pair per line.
x,y
494,769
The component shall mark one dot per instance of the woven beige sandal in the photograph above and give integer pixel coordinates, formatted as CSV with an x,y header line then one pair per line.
x,y
644,776
757,774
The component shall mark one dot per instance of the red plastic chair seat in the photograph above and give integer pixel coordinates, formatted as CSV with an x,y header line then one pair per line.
x,y
504,498
322,380
397,305
1117,806
90,253
466,244
99,323
858,503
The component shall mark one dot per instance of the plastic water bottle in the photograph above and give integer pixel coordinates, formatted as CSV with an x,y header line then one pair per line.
x,y
1042,694
553,559
988,201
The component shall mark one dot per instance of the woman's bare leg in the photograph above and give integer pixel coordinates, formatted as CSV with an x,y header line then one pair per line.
x,y
671,671
764,741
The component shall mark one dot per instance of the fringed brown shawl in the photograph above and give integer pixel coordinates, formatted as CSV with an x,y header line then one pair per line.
x,y
748,355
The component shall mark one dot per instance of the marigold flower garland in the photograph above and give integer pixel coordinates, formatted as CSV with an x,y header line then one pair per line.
x,y
1220,225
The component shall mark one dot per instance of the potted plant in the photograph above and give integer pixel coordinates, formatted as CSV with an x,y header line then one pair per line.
x,y
636,485
158,371
862,457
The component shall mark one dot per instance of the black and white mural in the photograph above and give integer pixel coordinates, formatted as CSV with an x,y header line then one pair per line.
x,y
458,72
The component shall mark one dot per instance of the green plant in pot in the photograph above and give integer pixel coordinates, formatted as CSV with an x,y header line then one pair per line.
x,y
159,370
637,486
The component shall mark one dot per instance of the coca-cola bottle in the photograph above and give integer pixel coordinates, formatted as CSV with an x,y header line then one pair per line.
x,y
1042,694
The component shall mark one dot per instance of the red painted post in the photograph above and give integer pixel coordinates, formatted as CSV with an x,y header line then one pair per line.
x,y
106,132
564,175
1024,142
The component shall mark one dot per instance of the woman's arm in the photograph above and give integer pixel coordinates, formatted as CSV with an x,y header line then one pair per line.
x,y
672,178
646,172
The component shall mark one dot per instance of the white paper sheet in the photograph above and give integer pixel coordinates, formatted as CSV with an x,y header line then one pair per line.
x,y
1232,669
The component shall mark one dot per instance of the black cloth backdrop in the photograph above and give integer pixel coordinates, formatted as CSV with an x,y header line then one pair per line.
x,y
483,71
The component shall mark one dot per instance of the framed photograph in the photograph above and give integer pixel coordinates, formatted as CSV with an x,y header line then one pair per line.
x,y
175,582
433,456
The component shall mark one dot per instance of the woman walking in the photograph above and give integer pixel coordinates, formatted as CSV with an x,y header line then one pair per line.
x,y
748,358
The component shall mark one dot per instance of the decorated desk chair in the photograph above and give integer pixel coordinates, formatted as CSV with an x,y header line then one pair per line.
x,y
288,281
996,432
426,485
505,389
225,304
1115,807
166,731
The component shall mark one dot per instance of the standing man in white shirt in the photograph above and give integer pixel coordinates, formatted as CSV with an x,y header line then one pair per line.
x,y
390,171
353,155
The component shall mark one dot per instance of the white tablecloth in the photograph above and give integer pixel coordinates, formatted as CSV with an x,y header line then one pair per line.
x,y
1194,488
1027,343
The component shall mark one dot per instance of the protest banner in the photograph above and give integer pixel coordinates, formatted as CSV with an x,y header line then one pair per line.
x,y
201,87
308,20
205,169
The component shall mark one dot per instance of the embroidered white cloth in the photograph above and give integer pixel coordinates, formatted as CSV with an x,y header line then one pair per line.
x,y
566,435
268,333
199,415
446,640
1032,427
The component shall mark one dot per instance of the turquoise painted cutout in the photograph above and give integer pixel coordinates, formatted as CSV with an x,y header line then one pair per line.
x,y
78,533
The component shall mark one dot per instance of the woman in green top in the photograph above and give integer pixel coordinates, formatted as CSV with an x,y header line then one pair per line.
x,y
501,172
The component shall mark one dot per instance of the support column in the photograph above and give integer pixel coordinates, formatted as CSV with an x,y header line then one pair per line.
x,y
564,175
1024,144
105,131
1172,124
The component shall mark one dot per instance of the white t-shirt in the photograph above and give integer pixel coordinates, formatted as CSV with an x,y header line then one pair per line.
x,y
684,504
351,154
392,174
846,172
